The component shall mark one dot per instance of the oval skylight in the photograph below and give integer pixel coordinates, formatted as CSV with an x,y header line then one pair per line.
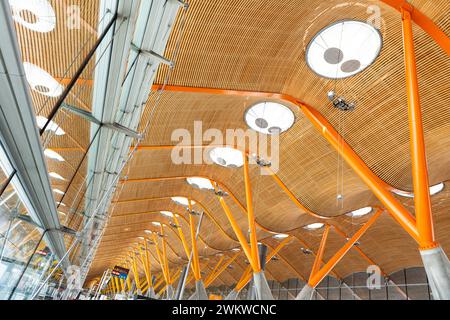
x,y
58,191
280,236
182,200
148,231
167,214
52,126
53,155
155,223
227,157
360,212
37,15
269,118
200,183
433,190
56,176
344,49
314,226
41,81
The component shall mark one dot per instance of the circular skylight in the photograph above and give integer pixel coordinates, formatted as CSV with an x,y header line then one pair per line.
x,y
52,126
56,176
314,226
269,118
182,200
41,81
37,15
201,183
360,212
227,157
344,49
433,190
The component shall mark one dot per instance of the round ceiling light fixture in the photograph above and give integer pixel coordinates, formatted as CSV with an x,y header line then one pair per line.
x,y
37,15
344,49
182,201
269,118
227,157
200,183
360,212
314,226
41,81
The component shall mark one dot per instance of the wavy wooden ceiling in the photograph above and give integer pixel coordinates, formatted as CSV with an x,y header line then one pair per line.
x,y
260,46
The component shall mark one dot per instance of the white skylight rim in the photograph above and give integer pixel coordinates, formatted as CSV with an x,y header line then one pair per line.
x,y
42,11
280,236
269,118
435,189
182,201
155,223
56,176
314,226
52,126
148,231
360,212
227,157
167,214
200,183
41,81
343,49
53,155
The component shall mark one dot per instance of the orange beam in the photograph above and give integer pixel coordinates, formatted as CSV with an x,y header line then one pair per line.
x,y
422,202
251,215
158,253
317,277
215,275
422,21
214,270
195,260
237,230
319,256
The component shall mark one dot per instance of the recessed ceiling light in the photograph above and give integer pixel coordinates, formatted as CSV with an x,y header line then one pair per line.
x,y
269,117
280,236
167,214
41,81
182,200
41,15
314,226
141,238
235,249
58,191
56,176
52,126
360,212
344,49
201,183
156,223
53,155
433,190
227,157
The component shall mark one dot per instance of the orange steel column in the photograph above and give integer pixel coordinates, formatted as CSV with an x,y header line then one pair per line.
x,y
195,260
251,214
318,260
422,202
164,252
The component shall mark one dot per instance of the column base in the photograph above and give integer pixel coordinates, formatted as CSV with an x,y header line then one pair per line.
x,y
437,267
232,295
262,288
306,293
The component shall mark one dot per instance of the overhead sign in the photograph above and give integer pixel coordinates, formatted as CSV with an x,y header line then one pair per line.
x,y
120,272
